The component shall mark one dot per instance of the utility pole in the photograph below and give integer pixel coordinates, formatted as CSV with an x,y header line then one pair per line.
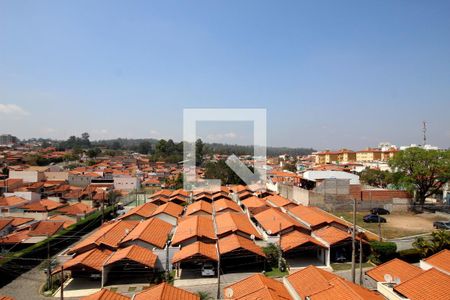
x,y
103,211
62,283
353,240
218,251
424,129
49,269
360,261
379,229
167,258
279,249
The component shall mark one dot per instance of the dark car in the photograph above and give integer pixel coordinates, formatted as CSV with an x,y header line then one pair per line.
x,y
374,219
441,224
379,211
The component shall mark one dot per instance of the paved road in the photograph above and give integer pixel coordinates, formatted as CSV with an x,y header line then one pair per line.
x,y
406,243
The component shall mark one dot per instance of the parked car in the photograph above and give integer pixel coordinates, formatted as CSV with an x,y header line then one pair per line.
x,y
374,219
441,224
379,211
208,270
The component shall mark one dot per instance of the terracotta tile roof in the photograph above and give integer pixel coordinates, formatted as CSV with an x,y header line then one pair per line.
x,y
198,206
12,201
135,253
17,221
93,259
273,220
153,231
162,193
196,249
440,260
326,285
304,286
277,200
15,237
309,215
295,239
105,294
145,211
180,192
223,204
76,209
232,222
5,222
42,205
67,221
233,242
396,268
257,287
253,202
6,298
342,289
331,235
165,291
169,208
110,234
46,228
194,226
431,284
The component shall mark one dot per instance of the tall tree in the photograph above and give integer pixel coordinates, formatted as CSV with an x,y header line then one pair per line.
x,y
423,171
199,152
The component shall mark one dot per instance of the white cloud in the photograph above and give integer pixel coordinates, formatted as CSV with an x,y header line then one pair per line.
x,y
12,110
221,137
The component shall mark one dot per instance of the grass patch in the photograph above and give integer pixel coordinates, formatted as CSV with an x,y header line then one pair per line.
x,y
131,288
113,289
275,272
348,266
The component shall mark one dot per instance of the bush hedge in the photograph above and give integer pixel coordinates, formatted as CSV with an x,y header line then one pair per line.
x,y
382,251
410,255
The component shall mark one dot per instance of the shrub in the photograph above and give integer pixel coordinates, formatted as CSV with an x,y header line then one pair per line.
x,y
410,255
382,251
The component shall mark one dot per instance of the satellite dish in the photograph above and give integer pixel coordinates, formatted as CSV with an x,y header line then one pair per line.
x,y
269,231
252,237
229,293
388,278
397,280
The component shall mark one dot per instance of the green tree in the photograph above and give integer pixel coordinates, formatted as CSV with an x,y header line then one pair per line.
x,y
204,295
291,167
422,171
199,152
375,177
440,240
94,152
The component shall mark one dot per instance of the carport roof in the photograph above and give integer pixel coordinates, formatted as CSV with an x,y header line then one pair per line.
x,y
331,235
135,253
165,291
109,234
273,220
105,294
93,259
234,242
197,248
295,239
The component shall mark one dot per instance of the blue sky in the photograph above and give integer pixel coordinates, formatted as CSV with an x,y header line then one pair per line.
x,y
331,74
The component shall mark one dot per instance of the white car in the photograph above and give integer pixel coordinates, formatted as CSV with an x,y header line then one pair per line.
x,y
208,270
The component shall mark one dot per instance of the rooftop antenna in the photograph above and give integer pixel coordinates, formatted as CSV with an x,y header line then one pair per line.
x,y
424,129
